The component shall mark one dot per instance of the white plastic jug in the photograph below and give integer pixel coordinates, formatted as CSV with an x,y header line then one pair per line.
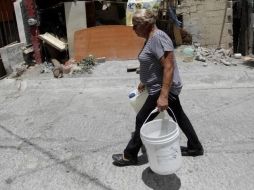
x,y
161,139
137,100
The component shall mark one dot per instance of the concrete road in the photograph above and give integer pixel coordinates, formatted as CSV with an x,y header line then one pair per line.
x,y
59,134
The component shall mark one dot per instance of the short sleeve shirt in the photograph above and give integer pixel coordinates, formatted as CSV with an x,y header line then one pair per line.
x,y
151,70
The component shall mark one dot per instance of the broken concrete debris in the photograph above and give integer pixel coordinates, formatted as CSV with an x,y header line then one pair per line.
x,y
199,57
20,70
16,58
212,55
12,56
71,66
202,54
58,68
225,62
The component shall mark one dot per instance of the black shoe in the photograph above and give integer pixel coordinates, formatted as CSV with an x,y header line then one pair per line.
x,y
192,152
119,161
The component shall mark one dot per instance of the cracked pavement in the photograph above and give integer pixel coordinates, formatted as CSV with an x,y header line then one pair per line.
x,y
60,133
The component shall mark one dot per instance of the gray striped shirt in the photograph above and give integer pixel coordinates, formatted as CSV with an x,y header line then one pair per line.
x,y
151,70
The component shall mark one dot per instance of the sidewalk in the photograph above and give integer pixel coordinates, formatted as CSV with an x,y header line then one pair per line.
x,y
60,133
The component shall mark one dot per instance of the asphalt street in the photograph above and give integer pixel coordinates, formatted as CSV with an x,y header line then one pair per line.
x,y
59,134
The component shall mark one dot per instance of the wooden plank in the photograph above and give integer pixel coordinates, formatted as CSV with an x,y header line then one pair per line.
x,y
115,42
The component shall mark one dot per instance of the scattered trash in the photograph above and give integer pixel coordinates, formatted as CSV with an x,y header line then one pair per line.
x,y
71,66
188,54
47,67
237,55
199,57
225,62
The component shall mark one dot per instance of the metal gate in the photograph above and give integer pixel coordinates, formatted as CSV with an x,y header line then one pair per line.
x,y
8,24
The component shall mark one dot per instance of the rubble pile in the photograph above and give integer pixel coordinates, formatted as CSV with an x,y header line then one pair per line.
x,y
18,70
215,56
69,67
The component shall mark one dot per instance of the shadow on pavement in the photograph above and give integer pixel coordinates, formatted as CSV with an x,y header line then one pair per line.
x,y
160,182
249,64
142,159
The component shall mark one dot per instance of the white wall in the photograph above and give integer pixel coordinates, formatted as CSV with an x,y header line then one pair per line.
x,y
75,14
20,22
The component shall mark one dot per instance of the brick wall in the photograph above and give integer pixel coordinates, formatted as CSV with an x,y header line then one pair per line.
x,y
209,21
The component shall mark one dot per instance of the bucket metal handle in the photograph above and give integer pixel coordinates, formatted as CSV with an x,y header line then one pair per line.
x,y
156,110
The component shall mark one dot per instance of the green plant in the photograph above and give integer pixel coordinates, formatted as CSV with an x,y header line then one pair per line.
x,y
87,63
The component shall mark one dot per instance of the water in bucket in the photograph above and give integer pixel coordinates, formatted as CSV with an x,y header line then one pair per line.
x,y
161,139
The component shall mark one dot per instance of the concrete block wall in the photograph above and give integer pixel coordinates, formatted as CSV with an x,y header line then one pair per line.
x,y
207,21
12,55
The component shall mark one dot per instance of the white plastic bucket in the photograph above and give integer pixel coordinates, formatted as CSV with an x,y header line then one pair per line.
x,y
161,139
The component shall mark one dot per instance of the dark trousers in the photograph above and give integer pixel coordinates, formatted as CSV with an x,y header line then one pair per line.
x,y
134,145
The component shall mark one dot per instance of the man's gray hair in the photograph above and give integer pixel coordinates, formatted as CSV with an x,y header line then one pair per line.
x,y
144,16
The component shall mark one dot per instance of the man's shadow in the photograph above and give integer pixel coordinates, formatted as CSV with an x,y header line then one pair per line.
x,y
160,182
